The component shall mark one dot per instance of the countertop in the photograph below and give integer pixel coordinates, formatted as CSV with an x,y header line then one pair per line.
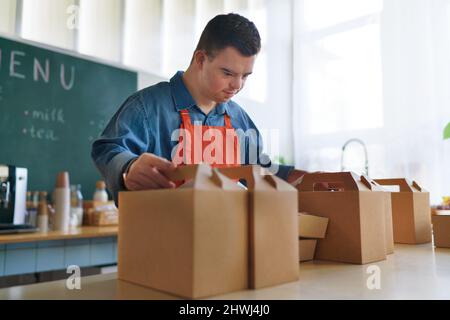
x,y
412,272
73,233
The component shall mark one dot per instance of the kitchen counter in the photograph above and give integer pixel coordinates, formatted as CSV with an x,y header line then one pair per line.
x,y
413,272
73,233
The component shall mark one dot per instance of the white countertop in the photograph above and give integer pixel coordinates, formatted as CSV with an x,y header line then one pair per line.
x,y
412,272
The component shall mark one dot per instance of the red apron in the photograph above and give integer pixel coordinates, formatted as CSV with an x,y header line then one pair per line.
x,y
217,146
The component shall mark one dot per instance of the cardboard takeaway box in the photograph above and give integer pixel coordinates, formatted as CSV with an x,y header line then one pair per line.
x,y
441,230
98,213
306,249
273,219
310,228
191,241
388,219
410,211
356,210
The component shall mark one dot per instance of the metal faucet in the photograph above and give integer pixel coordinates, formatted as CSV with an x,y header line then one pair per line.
x,y
366,162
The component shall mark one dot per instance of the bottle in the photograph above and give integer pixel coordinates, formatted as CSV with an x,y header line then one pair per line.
x,y
29,204
76,206
100,193
42,217
61,202
32,207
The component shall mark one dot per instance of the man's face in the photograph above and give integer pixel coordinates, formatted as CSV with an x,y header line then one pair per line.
x,y
223,76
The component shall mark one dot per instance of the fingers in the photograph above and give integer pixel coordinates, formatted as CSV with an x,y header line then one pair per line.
x,y
159,163
147,172
133,184
153,175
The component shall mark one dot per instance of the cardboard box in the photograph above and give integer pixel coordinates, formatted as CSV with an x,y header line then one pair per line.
x,y
310,226
306,249
191,242
97,213
356,211
411,215
441,230
273,219
388,219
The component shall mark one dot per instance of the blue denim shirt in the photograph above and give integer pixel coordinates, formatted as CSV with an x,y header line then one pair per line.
x,y
145,123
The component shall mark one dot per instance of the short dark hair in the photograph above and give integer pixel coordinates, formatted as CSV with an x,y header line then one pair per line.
x,y
230,30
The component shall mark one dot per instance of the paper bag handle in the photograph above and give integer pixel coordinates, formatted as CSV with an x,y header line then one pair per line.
x,y
248,173
347,179
189,172
182,173
404,184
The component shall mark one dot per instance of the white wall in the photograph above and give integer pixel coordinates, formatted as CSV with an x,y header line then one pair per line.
x,y
7,16
46,21
275,111
100,29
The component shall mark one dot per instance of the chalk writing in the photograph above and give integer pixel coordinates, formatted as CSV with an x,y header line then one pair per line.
x,y
47,115
40,133
40,71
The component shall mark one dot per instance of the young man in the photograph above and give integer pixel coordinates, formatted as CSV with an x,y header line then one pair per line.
x,y
190,119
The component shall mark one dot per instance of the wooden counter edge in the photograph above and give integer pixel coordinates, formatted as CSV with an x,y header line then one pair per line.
x,y
77,233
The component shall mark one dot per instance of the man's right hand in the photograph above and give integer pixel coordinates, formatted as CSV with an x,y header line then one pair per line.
x,y
148,172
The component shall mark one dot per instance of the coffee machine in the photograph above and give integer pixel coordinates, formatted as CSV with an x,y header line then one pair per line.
x,y
13,195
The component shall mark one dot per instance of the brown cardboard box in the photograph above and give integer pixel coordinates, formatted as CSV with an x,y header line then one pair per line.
x,y
310,226
273,227
191,242
441,230
410,212
306,249
388,219
356,229
97,213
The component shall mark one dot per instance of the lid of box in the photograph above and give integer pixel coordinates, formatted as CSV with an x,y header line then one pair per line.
x,y
404,184
202,177
310,226
257,178
335,182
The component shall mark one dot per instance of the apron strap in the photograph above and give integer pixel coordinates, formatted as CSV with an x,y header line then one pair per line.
x,y
227,121
185,118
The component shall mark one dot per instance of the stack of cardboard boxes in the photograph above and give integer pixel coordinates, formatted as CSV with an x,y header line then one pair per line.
x,y
310,229
210,236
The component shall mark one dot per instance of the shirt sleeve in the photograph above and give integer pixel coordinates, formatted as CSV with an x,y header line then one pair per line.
x,y
123,140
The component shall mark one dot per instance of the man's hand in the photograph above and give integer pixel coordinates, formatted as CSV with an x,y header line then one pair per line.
x,y
148,172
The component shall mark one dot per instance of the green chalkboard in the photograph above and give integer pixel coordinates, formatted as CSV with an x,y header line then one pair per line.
x,y
53,105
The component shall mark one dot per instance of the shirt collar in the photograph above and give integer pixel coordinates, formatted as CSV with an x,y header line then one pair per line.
x,y
183,98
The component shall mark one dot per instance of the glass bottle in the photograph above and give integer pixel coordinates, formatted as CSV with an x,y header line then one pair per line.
x,y
100,193
42,213
76,206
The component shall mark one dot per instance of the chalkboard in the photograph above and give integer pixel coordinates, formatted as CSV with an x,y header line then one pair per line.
x,y
53,105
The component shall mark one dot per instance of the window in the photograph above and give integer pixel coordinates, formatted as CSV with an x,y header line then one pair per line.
x,y
341,67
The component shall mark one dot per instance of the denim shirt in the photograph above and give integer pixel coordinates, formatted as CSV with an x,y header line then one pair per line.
x,y
147,120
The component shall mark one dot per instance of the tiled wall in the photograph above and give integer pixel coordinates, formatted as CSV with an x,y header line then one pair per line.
x,y
21,258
